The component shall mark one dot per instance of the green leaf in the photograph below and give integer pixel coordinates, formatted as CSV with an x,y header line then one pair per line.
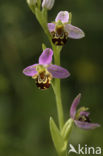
x,y
58,140
67,129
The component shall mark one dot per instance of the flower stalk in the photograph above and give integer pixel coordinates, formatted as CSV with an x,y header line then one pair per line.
x,y
57,91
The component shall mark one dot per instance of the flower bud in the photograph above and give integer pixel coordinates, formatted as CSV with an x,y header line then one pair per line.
x,y
48,4
31,2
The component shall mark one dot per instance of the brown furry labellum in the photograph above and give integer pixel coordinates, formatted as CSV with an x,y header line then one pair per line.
x,y
84,118
59,40
59,36
43,81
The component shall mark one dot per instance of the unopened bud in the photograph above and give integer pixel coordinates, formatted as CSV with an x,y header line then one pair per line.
x,y
48,4
31,2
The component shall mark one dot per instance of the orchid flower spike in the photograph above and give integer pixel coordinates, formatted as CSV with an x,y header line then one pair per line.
x,y
81,117
44,71
61,29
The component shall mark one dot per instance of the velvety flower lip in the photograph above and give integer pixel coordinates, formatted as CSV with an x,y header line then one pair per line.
x,y
80,117
45,65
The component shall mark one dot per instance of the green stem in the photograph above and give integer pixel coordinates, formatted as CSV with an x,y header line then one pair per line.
x,y
57,89
57,92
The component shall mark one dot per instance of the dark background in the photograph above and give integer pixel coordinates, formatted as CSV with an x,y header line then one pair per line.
x,y
24,109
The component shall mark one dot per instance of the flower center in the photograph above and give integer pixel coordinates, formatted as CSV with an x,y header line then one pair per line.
x,y
84,118
43,80
82,115
59,30
59,36
40,68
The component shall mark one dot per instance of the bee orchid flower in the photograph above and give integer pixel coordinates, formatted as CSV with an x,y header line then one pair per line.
x,y
61,29
81,116
44,71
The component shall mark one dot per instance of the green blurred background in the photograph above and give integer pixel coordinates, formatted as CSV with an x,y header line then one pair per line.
x,y
24,109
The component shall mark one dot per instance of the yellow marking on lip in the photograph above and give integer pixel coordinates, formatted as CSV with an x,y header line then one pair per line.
x,y
62,42
56,42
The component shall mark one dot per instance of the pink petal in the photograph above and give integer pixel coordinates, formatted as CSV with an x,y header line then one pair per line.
x,y
86,125
74,32
46,57
58,72
51,27
62,16
30,70
74,106
84,113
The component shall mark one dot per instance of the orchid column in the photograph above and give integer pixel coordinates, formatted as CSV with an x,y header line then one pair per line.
x,y
45,73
